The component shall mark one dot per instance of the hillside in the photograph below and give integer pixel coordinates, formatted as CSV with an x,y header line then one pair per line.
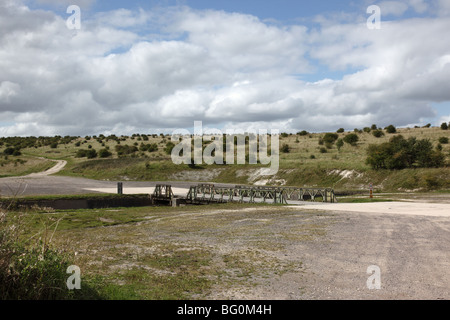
x,y
309,162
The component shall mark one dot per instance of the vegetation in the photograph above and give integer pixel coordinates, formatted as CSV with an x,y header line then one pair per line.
x,y
147,157
401,153
351,139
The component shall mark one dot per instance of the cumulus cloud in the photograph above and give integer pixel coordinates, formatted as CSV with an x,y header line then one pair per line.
x,y
227,69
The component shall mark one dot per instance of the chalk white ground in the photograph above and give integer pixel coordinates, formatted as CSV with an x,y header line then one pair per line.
x,y
397,207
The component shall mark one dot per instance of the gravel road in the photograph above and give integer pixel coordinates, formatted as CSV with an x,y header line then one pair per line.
x,y
411,251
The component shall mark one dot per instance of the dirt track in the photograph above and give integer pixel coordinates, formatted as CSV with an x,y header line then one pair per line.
x,y
412,252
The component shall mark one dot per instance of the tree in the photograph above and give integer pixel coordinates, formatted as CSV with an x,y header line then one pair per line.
x,y
351,139
444,126
340,130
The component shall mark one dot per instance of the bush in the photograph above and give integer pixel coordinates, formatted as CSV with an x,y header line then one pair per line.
x,y
323,150
104,153
169,147
377,133
81,153
340,130
351,139
123,150
90,153
330,137
339,144
148,147
285,148
29,272
444,126
443,140
303,133
400,153
391,129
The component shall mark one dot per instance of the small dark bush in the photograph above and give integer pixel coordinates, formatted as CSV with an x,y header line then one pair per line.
x,y
351,139
104,153
285,148
391,129
443,140
377,133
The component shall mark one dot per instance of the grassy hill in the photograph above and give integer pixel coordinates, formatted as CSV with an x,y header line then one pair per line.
x,y
309,162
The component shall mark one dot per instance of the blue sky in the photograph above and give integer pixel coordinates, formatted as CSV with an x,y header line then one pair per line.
x,y
140,66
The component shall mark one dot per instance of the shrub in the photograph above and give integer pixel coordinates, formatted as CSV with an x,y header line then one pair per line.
x,y
351,139
104,153
377,133
340,130
444,126
123,150
391,129
303,133
81,153
285,148
29,271
339,144
91,154
374,127
330,137
443,140
54,145
169,147
148,147
367,129
400,153
323,150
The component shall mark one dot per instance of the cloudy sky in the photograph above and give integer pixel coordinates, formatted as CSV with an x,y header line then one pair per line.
x,y
145,66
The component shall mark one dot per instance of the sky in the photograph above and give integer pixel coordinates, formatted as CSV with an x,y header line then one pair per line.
x,y
150,66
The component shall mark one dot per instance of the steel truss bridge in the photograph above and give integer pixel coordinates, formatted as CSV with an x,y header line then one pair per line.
x,y
209,193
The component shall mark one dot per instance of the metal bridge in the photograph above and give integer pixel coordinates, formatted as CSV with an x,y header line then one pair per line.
x,y
209,193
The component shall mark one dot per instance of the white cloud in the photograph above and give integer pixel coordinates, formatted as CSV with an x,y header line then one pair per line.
x,y
222,68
